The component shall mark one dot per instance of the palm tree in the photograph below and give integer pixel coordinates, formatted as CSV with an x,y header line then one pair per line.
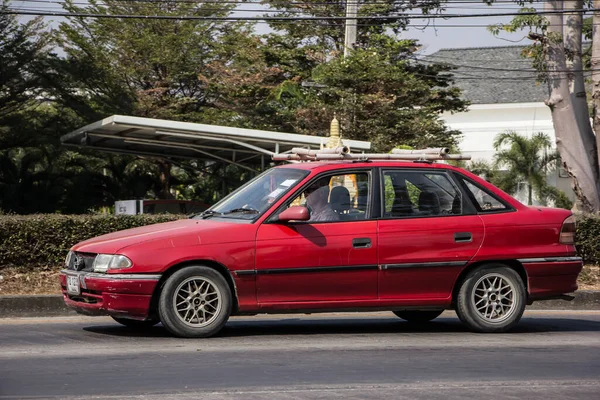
x,y
527,160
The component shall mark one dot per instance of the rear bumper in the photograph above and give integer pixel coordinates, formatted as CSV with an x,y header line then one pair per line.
x,y
551,276
119,295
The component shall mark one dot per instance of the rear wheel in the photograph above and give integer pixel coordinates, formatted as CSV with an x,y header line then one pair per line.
x,y
418,317
491,299
195,302
136,324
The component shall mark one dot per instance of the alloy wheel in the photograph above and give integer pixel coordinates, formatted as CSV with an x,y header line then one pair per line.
x,y
493,297
197,301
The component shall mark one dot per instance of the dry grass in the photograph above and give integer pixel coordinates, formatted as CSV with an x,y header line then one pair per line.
x,y
15,280
589,279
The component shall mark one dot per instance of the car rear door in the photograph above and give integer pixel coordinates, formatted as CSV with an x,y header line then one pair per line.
x,y
321,261
427,234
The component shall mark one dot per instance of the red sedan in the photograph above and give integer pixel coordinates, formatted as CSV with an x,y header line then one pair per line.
x,y
415,238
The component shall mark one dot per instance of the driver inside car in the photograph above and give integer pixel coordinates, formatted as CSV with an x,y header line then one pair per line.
x,y
317,197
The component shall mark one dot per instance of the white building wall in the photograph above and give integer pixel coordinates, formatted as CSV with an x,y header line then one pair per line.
x,y
483,122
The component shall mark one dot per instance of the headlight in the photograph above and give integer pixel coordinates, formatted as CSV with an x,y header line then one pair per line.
x,y
104,262
68,258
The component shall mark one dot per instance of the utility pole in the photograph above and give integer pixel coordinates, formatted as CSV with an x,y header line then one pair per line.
x,y
350,36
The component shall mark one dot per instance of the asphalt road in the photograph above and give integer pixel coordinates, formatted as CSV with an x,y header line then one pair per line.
x,y
551,355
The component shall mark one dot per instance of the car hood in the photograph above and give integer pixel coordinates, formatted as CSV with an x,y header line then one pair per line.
x,y
185,232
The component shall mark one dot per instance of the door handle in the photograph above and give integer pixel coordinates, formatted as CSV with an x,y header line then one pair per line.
x,y
361,243
463,237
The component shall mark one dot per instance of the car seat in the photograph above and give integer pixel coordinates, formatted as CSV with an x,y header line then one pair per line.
x,y
429,203
339,200
401,205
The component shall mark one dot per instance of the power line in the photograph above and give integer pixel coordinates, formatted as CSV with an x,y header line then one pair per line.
x,y
280,18
443,5
304,3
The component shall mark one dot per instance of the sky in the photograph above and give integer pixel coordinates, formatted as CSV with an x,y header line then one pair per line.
x,y
456,32
433,34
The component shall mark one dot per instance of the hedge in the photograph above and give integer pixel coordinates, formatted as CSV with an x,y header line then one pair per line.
x,y
43,240
588,238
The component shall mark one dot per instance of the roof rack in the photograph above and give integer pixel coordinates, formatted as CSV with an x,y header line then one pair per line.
x,y
343,153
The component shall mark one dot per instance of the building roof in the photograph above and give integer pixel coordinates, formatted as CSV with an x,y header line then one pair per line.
x,y
488,75
246,148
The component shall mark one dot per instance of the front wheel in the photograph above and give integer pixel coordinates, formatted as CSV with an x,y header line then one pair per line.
x,y
418,317
491,299
195,302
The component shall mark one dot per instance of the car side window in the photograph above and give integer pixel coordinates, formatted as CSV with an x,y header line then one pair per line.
x,y
342,197
420,194
484,200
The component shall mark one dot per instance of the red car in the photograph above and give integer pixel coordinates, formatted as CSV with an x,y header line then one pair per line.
x,y
415,238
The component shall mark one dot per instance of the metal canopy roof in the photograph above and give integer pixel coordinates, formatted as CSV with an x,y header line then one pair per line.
x,y
246,148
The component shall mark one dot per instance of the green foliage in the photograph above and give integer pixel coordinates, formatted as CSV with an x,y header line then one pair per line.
x,y
527,160
380,92
205,71
208,71
25,48
153,68
588,232
330,33
536,26
45,239
387,98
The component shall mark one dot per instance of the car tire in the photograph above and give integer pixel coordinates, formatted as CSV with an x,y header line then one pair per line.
x,y
136,324
491,299
418,317
195,302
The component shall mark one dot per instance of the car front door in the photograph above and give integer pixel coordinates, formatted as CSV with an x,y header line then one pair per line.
x,y
333,256
427,234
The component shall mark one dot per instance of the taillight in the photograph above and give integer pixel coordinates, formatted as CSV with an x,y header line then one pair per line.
x,y
567,232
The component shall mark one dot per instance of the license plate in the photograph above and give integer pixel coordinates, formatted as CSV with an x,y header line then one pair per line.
x,y
73,284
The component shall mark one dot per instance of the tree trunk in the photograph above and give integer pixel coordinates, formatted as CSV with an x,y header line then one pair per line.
x,y
529,194
164,177
568,138
573,47
595,65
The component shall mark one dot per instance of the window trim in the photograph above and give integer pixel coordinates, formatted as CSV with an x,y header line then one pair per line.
x,y
370,198
462,179
467,207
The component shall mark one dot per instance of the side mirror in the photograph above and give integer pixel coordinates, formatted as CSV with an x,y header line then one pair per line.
x,y
295,213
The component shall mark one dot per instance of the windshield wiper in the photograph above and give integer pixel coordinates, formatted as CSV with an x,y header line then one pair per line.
x,y
248,210
209,213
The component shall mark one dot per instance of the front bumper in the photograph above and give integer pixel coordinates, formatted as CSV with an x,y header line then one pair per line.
x,y
119,295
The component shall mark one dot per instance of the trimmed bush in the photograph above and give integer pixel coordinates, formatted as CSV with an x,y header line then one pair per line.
x,y
44,239
588,238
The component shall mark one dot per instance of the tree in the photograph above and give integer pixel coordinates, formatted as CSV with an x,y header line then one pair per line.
x,y
551,49
526,160
220,72
186,70
380,91
24,48
595,66
25,53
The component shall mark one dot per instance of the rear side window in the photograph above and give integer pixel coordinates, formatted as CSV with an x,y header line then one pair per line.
x,y
420,194
483,199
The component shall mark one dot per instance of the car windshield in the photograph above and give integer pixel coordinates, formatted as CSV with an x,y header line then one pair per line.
x,y
256,196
